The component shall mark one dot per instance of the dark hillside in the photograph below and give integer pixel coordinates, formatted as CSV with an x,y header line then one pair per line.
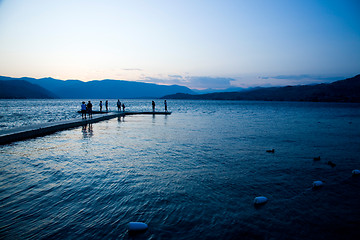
x,y
22,89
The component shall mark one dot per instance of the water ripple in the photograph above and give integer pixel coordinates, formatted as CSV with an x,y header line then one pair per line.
x,y
188,176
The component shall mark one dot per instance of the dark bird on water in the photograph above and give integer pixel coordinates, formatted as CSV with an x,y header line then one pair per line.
x,y
330,163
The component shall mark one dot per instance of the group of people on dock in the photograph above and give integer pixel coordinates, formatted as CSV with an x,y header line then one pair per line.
x,y
118,104
106,105
87,108
153,105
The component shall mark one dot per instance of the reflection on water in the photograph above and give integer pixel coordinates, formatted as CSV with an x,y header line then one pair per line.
x,y
87,130
165,119
121,119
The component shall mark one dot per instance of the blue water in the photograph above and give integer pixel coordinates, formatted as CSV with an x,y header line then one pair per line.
x,y
19,113
190,175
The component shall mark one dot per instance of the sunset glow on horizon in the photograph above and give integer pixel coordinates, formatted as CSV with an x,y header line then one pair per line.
x,y
198,44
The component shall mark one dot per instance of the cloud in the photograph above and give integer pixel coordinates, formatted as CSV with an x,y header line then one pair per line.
x,y
210,82
304,78
175,76
300,79
132,69
164,81
194,82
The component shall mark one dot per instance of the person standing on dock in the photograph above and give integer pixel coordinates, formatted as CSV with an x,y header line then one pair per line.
x,y
107,105
100,106
83,110
118,105
123,106
89,109
165,103
153,106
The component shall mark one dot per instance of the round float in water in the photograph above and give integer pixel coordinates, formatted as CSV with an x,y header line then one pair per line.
x,y
260,200
317,184
137,226
356,172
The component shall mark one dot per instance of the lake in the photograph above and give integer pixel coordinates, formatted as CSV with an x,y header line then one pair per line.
x,y
191,175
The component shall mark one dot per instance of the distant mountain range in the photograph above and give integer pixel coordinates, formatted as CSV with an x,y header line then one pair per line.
x,y
347,90
75,89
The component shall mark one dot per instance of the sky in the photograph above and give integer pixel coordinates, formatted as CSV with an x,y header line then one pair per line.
x,y
195,43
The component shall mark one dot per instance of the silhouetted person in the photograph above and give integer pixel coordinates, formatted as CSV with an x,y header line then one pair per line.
x,y
165,103
83,110
153,106
118,105
107,105
123,106
89,109
100,106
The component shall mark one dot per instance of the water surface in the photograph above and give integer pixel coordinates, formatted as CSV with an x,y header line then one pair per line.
x,y
191,175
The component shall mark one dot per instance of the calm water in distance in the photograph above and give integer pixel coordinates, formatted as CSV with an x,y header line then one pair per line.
x,y
190,175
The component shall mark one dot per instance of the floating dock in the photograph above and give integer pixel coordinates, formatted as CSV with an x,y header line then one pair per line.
x,y
27,132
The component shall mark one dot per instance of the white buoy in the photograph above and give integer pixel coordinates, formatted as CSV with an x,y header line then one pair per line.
x,y
137,226
356,172
260,200
317,184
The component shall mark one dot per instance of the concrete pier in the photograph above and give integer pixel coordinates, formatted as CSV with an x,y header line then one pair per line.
x,y
22,133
